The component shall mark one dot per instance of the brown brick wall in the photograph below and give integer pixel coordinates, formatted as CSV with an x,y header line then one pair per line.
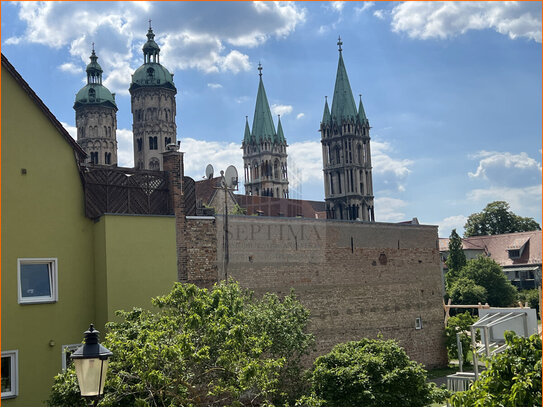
x,y
201,246
357,279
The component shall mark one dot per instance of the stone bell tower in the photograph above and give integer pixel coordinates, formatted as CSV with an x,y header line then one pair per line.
x,y
265,151
96,117
153,108
345,139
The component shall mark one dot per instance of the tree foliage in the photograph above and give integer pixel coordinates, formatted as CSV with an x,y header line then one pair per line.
x,y
459,324
531,297
468,292
202,348
512,378
369,373
485,272
497,218
456,258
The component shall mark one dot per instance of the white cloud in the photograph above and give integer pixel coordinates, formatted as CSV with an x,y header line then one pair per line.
x,y
304,163
125,148
507,169
425,20
204,39
280,109
71,68
337,6
214,85
388,172
389,209
72,130
300,116
367,5
380,14
523,201
452,222
199,153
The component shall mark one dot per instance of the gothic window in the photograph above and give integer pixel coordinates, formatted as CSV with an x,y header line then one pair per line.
x,y
359,148
350,147
361,176
107,158
352,180
92,95
94,157
154,164
167,140
153,143
338,157
331,184
339,183
276,171
140,142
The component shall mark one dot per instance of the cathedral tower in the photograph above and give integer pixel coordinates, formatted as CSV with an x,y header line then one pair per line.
x,y
153,108
345,138
265,151
96,117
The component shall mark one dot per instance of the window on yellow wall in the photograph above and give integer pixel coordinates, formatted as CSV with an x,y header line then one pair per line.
x,y
10,385
37,280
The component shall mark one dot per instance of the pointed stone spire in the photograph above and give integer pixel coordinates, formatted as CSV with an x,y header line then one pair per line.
x,y
343,104
361,113
280,134
263,127
247,136
326,114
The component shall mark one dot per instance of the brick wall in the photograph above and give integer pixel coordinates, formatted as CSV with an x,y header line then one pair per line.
x,y
357,279
201,245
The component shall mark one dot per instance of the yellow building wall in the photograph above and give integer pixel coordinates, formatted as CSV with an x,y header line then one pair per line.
x,y
42,216
135,258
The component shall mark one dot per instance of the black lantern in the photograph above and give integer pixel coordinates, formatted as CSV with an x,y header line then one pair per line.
x,y
91,362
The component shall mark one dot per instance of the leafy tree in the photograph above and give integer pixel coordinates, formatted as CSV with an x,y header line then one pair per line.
x,y
531,297
202,348
369,373
466,291
456,259
238,210
485,272
497,219
512,378
459,324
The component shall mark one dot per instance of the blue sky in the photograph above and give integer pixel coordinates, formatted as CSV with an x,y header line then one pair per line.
x,y
452,90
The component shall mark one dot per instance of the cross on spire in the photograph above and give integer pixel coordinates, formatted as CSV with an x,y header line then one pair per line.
x,y
93,47
339,43
260,69
150,24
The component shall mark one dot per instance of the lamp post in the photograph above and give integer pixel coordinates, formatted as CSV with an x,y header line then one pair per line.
x,y
91,363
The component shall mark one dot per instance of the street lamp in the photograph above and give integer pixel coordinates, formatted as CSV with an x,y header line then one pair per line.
x,y
91,362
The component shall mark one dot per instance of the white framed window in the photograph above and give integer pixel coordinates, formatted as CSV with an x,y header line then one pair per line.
x,y
37,280
67,350
418,323
10,378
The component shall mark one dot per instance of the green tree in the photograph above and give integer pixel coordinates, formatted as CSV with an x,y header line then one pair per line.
x,y
512,378
202,348
485,272
466,291
531,297
495,219
456,258
369,373
459,324
238,210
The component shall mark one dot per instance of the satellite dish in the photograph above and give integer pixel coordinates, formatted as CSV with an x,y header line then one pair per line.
x,y
231,177
209,171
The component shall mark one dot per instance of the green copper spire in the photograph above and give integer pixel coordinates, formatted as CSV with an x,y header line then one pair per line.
x,y
326,114
343,104
361,113
280,134
263,127
247,136
94,92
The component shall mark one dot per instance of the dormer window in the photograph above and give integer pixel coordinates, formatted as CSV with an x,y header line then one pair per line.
x,y
92,95
514,254
516,248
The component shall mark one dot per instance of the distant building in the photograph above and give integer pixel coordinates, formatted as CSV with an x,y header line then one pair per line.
x,y
519,254
345,138
96,117
265,151
153,108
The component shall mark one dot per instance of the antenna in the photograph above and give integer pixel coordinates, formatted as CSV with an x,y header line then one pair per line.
x,y
209,171
231,177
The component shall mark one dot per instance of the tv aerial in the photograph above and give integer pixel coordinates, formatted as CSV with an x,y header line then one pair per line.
x,y
209,171
231,177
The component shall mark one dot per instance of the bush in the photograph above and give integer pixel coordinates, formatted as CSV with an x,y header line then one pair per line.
x,y
531,297
459,323
512,378
370,373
